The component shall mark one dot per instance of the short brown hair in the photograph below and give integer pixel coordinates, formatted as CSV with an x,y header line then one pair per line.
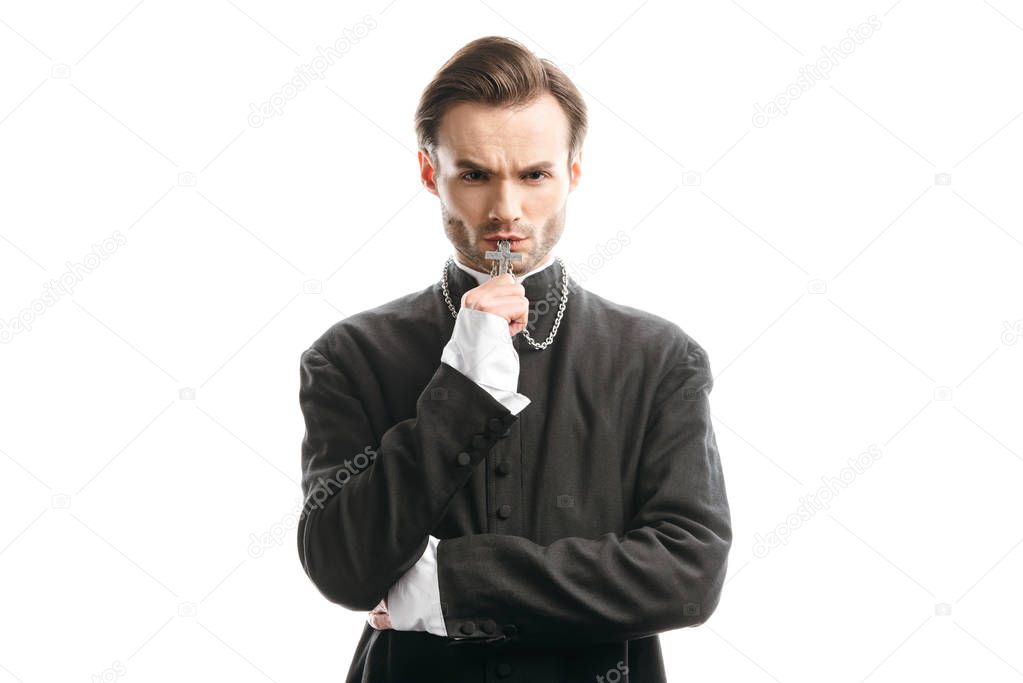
x,y
497,71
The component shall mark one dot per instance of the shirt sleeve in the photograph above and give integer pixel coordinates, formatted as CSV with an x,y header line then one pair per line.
x,y
481,348
413,602
665,572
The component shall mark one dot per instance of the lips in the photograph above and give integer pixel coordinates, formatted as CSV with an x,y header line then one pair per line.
x,y
515,241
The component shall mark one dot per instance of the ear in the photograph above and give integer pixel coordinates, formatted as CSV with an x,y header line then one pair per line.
x,y
575,170
427,172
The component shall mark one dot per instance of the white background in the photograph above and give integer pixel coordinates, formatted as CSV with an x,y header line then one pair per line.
x,y
852,268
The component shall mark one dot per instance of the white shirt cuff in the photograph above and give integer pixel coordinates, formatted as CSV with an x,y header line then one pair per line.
x,y
413,602
482,350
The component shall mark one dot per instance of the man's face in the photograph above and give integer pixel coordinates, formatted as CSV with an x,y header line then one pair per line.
x,y
501,171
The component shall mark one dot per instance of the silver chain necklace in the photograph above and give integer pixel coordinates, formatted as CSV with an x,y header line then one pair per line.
x,y
525,332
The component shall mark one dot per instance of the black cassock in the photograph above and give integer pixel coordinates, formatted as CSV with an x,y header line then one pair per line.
x,y
571,533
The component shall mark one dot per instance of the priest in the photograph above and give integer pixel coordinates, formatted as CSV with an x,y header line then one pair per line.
x,y
516,477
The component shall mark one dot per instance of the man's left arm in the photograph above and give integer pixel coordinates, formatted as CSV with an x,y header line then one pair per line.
x,y
666,572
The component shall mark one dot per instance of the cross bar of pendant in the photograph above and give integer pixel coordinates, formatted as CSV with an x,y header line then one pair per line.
x,y
504,256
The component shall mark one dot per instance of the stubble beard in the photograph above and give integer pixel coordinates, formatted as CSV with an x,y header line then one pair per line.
x,y
469,245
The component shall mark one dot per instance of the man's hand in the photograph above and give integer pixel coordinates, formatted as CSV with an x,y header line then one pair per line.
x,y
379,618
502,296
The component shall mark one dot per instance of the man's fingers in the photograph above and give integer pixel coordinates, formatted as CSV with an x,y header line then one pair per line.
x,y
381,621
502,296
503,285
379,618
515,314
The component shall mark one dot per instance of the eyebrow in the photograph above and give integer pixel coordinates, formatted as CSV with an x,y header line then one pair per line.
x,y
475,165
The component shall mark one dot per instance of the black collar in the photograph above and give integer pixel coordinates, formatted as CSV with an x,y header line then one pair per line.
x,y
543,285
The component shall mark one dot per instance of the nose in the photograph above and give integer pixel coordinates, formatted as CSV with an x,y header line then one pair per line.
x,y
505,208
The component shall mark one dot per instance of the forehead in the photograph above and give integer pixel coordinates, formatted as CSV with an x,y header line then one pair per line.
x,y
470,128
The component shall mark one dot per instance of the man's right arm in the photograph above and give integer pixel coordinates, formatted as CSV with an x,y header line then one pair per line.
x,y
371,502
480,349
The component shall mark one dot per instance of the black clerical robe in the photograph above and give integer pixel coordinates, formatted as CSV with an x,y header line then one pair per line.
x,y
571,534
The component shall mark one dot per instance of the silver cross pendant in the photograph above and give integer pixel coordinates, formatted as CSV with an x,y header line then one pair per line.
x,y
504,256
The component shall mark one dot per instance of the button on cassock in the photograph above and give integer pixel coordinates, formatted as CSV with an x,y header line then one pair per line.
x,y
503,467
495,426
468,628
464,458
504,512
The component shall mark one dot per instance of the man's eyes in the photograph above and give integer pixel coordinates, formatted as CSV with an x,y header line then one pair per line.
x,y
528,176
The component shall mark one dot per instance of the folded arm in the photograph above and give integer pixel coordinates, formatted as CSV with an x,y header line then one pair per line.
x,y
372,500
665,572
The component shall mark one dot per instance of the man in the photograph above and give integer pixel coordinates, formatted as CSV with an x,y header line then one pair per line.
x,y
518,477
